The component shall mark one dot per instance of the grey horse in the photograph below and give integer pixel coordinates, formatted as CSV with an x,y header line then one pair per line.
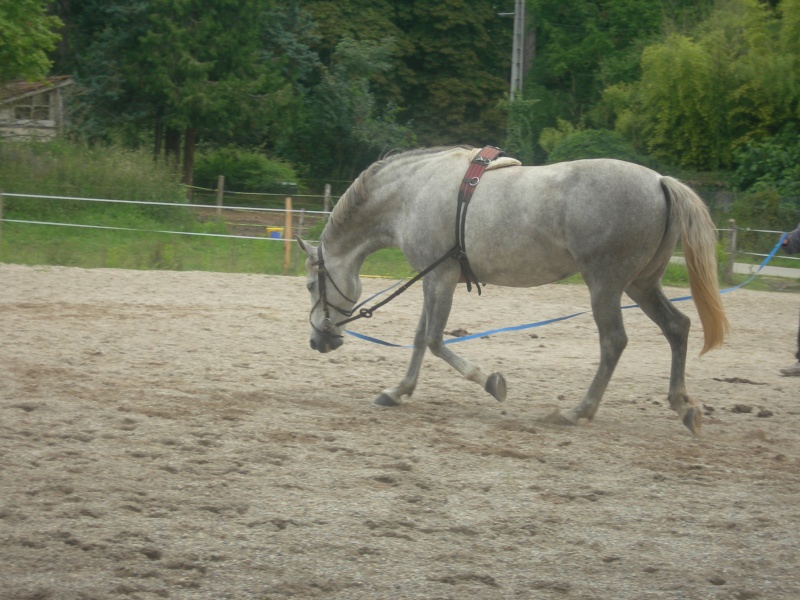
x,y
615,223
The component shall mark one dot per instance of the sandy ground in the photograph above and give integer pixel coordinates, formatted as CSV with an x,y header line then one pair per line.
x,y
171,435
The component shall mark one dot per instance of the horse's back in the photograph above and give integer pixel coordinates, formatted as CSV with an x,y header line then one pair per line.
x,y
532,225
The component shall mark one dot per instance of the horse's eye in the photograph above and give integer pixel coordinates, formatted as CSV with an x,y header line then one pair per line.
x,y
310,285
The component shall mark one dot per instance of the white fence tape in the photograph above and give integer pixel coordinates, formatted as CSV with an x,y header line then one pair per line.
x,y
217,235
175,204
146,203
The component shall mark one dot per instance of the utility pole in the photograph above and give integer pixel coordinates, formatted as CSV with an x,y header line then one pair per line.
x,y
518,48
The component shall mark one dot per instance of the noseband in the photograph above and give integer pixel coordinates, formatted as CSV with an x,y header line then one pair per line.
x,y
328,326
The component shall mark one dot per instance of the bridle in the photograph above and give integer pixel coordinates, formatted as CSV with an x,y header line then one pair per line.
x,y
328,326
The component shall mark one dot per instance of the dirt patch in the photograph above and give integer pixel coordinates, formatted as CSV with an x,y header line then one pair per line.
x,y
171,435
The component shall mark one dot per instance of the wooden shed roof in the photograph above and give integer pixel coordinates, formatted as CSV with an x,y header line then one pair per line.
x,y
20,89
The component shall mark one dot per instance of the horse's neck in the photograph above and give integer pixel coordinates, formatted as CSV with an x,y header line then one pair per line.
x,y
376,221
354,248
372,228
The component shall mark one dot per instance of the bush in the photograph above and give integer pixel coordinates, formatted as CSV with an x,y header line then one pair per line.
x,y
766,209
244,171
773,163
595,143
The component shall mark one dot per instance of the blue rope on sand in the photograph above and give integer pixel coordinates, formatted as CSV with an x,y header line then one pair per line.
x,y
472,336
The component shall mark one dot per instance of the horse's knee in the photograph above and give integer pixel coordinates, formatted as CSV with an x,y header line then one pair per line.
x,y
435,345
615,343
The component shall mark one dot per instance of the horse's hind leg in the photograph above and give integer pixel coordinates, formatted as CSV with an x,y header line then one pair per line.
x,y
608,316
438,302
675,327
391,396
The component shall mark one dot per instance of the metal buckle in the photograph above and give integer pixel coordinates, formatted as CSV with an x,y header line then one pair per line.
x,y
481,160
472,182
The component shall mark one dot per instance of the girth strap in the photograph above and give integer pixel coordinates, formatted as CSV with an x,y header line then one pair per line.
x,y
471,179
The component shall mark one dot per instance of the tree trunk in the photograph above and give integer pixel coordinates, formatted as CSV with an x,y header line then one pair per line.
x,y
159,139
188,156
172,147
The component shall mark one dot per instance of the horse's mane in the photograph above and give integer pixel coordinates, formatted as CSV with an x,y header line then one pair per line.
x,y
358,194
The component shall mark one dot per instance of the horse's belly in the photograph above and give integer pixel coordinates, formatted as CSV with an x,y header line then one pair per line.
x,y
526,280
521,269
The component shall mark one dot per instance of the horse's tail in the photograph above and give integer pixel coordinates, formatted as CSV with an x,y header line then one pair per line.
x,y
699,242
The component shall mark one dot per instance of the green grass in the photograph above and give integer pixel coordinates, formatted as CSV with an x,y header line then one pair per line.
x,y
99,248
63,168
95,248
91,248
387,263
70,169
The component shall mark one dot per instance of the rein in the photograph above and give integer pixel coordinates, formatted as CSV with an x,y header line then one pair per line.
x,y
366,313
363,313
457,252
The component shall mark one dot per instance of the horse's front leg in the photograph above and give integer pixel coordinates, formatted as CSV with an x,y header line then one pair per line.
x,y
439,289
391,396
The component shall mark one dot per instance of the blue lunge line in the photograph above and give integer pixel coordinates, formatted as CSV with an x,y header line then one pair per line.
x,y
472,336
763,264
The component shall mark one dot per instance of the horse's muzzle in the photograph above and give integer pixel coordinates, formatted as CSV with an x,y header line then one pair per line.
x,y
326,343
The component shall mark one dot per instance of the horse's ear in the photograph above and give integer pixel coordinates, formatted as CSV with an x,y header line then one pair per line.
x,y
307,248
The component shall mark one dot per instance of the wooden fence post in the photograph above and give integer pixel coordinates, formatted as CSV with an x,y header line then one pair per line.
x,y
326,199
299,234
220,193
287,237
731,251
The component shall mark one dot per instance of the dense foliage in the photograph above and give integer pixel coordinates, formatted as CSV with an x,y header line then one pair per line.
x,y
27,34
330,86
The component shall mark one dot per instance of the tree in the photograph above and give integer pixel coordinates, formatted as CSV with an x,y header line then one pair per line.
x,y
184,69
519,141
449,65
342,129
201,62
684,91
584,47
27,34
732,82
595,143
768,92
773,163
457,71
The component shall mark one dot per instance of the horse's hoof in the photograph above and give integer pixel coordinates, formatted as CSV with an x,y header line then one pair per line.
x,y
496,386
385,400
693,419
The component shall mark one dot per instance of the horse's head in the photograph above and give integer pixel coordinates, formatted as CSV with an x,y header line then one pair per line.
x,y
330,299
